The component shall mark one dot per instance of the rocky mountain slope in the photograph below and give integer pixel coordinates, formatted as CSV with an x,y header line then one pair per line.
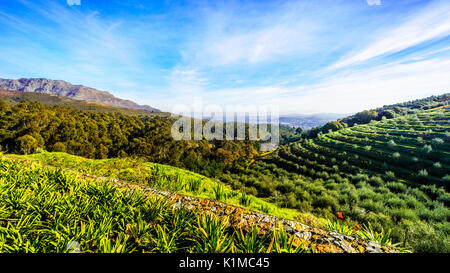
x,y
62,88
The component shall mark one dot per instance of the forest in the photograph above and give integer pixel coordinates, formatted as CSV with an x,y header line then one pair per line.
x,y
29,126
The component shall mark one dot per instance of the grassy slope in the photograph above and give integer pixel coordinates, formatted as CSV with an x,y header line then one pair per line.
x,y
162,177
393,167
49,210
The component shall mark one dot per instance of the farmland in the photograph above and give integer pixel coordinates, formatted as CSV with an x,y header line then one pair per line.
x,y
385,180
392,173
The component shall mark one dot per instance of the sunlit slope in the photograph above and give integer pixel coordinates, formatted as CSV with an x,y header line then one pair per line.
x,y
159,176
414,148
47,210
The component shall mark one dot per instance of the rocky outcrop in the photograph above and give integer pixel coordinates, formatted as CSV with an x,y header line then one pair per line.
x,y
62,88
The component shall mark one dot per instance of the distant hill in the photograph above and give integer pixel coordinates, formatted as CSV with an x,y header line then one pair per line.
x,y
65,89
387,112
309,121
13,97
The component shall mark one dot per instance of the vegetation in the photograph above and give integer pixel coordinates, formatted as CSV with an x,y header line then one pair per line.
x,y
381,174
382,113
159,176
44,210
399,183
27,127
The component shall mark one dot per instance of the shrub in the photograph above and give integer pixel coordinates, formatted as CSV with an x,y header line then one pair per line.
x,y
423,173
427,148
391,143
437,141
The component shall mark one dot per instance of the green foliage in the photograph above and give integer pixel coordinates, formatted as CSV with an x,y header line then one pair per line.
x,y
283,243
219,192
339,226
245,199
382,237
27,126
338,172
250,242
49,210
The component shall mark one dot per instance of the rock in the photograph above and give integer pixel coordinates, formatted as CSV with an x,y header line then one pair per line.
x,y
306,235
337,236
373,247
345,246
349,238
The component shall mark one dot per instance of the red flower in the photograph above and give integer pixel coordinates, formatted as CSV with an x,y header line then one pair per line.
x,y
339,215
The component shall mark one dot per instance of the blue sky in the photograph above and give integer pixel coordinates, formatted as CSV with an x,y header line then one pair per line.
x,y
305,56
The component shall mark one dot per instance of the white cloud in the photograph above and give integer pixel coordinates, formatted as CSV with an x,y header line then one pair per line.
x,y
74,2
257,46
431,23
347,92
374,2
229,38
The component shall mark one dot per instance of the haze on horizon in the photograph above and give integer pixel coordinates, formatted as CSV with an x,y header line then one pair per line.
x,y
327,56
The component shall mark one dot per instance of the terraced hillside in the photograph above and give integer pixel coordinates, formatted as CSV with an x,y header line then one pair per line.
x,y
392,173
46,209
414,147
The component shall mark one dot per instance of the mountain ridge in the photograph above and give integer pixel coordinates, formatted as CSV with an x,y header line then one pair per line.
x,y
66,89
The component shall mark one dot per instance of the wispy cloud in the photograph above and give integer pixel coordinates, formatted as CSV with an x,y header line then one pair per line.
x,y
432,22
307,56
351,91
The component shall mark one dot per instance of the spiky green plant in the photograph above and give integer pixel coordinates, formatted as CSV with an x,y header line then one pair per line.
x,y
211,235
382,237
250,242
283,243
245,199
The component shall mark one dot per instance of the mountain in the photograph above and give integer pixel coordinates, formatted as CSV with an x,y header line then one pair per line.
x,y
14,97
65,89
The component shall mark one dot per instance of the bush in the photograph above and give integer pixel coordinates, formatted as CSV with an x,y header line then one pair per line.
x,y
423,238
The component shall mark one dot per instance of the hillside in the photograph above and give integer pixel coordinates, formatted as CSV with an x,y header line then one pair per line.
x,y
387,112
307,122
385,177
28,126
127,215
391,173
13,97
65,89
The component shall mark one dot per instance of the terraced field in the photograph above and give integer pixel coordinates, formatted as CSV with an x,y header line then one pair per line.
x,y
393,173
413,148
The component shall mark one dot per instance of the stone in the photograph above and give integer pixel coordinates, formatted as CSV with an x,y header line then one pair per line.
x,y
306,235
373,247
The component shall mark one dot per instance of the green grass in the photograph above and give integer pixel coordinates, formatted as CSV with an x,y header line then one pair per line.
x,y
48,210
162,177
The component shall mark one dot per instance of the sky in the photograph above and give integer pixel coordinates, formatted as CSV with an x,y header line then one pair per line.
x,y
306,57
